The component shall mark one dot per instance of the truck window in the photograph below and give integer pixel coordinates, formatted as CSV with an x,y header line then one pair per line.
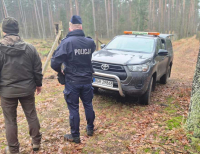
x,y
158,47
169,45
163,44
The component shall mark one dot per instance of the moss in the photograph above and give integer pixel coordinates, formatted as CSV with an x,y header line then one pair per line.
x,y
195,143
147,150
170,99
170,110
193,121
174,122
157,152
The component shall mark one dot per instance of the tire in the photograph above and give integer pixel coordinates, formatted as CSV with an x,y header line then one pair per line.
x,y
96,89
145,98
165,77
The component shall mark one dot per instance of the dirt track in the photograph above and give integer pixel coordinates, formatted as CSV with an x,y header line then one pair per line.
x,y
122,126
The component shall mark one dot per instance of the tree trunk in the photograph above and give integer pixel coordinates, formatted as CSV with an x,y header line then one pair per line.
x,y
94,19
50,19
77,7
106,18
139,18
160,16
4,8
109,13
193,121
71,9
165,16
153,15
169,16
43,19
50,23
112,18
95,28
130,14
150,13
40,20
2,12
23,18
37,20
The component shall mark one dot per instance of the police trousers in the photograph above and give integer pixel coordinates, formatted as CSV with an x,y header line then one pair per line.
x,y
72,94
9,107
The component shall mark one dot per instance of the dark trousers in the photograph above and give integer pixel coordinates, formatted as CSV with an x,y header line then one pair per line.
x,y
72,94
9,106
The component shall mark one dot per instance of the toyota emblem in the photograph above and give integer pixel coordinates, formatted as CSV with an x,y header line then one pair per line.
x,y
105,67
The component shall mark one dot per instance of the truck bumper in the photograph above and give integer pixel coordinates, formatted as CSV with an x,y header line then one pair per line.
x,y
109,88
124,89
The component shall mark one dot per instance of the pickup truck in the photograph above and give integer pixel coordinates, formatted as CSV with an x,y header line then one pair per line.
x,y
132,64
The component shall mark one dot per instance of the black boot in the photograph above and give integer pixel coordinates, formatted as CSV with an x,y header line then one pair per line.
x,y
89,132
36,147
70,138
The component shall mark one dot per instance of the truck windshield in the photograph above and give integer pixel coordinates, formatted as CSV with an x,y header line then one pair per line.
x,y
132,44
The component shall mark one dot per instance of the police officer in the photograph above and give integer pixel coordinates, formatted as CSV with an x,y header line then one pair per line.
x,y
75,53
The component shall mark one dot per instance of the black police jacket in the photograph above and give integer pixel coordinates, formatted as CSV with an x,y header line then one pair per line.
x,y
75,52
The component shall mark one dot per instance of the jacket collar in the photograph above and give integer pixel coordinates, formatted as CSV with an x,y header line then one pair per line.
x,y
12,35
76,33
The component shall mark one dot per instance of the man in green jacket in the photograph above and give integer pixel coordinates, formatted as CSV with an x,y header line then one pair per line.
x,y
20,77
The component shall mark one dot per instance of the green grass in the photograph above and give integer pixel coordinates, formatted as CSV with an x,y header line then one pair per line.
x,y
44,52
170,99
174,122
147,150
170,110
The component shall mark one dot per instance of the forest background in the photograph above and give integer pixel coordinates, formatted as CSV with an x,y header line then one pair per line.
x,y
108,17
157,128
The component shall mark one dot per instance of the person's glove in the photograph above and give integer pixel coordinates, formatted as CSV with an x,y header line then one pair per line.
x,y
61,78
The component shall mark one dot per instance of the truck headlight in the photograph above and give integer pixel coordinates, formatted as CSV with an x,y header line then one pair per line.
x,y
138,68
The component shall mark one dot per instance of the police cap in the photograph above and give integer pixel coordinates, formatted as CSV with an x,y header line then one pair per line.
x,y
76,19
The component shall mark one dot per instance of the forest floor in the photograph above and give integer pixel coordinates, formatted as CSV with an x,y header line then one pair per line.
x,y
121,125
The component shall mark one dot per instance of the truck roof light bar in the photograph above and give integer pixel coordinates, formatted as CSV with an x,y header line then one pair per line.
x,y
141,33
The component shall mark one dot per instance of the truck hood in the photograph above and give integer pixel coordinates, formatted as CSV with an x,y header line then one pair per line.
x,y
120,57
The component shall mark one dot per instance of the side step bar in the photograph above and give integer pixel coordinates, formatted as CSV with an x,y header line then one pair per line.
x,y
109,88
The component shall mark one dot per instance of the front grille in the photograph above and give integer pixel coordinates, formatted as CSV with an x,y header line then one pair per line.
x,y
117,70
112,67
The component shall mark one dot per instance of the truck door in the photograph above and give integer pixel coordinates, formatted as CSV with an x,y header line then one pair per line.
x,y
161,60
165,59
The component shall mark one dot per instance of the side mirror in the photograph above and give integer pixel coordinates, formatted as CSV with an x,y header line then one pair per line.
x,y
103,46
162,52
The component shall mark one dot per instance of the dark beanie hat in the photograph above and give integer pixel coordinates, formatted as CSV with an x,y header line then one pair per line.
x,y
10,26
76,19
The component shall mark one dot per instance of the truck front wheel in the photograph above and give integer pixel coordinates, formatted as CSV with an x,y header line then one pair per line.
x,y
145,98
